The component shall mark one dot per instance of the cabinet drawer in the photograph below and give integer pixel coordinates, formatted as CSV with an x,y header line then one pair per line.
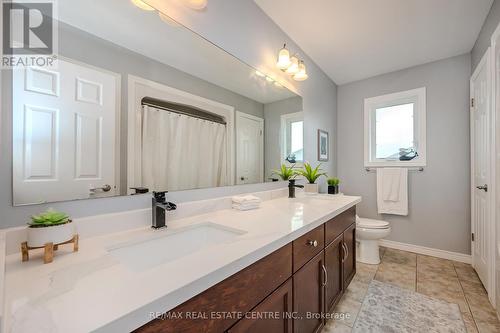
x,y
338,224
307,246
238,293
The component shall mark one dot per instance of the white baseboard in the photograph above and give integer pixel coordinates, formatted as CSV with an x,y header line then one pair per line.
x,y
465,258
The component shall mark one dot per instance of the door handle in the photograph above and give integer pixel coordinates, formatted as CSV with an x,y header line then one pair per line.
x,y
484,187
325,275
346,251
343,251
104,188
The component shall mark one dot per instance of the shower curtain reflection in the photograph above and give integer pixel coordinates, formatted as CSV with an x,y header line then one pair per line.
x,y
181,152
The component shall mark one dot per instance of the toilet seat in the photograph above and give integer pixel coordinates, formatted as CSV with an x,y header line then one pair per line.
x,y
371,224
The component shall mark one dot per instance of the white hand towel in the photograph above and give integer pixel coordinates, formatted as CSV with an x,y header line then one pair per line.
x,y
392,191
245,207
246,198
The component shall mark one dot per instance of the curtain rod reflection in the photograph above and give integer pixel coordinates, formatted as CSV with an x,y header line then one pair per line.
x,y
184,109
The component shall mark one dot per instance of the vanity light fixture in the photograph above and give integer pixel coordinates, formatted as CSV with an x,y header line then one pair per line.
x,y
301,74
142,5
293,66
196,4
283,58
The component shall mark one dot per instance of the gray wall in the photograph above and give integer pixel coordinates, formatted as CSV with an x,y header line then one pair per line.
x,y
245,31
272,126
484,39
439,197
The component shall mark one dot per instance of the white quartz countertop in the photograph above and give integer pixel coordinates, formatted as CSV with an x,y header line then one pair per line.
x,y
91,290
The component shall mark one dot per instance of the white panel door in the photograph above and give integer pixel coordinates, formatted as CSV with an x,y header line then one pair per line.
x,y
249,149
64,126
480,160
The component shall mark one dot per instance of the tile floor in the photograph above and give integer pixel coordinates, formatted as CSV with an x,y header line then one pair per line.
x,y
448,280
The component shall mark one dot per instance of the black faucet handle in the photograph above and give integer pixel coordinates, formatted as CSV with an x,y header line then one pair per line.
x,y
159,196
170,206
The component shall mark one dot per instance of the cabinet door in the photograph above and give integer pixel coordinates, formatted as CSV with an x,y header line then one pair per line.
x,y
333,263
276,308
308,295
350,260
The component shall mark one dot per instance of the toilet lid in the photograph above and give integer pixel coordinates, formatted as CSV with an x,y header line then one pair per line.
x,y
371,224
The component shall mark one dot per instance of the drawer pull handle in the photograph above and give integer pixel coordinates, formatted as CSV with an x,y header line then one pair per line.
x,y
313,243
325,272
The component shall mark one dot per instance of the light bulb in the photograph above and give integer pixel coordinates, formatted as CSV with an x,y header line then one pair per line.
x,y
301,75
283,58
142,5
196,4
168,20
294,66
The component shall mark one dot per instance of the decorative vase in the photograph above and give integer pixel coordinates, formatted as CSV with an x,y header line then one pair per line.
x,y
311,188
333,189
38,237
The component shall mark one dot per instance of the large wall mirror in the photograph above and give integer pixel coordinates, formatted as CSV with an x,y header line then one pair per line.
x,y
139,103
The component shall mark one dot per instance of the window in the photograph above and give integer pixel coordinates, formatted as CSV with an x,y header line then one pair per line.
x,y
292,137
395,129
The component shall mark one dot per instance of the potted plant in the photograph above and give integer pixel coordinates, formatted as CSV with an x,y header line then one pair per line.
x,y
311,175
333,185
285,173
49,227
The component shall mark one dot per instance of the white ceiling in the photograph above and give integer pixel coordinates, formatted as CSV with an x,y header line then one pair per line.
x,y
356,39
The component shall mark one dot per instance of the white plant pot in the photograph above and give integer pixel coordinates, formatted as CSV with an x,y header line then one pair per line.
x,y
38,237
311,188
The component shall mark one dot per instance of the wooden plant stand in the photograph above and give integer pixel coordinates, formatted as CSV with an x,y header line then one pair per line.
x,y
48,255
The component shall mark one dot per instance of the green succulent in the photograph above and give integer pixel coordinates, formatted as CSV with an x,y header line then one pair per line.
x,y
286,173
49,218
310,173
334,181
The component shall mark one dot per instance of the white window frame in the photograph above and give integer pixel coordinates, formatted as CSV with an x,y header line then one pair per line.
x,y
416,96
285,120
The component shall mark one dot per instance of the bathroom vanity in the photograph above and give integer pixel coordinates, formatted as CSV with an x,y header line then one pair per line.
x,y
305,276
294,255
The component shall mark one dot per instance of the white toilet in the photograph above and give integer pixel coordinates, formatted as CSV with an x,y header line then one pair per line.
x,y
368,232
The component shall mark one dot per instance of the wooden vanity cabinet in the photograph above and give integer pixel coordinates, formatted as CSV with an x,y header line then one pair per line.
x,y
275,308
308,295
349,265
308,275
334,255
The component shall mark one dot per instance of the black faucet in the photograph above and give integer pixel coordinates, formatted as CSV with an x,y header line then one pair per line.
x,y
291,188
160,206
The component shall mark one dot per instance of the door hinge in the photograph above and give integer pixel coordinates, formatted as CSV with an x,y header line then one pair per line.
x,y
472,236
472,102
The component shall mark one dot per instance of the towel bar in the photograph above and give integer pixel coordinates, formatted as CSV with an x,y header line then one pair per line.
x,y
409,169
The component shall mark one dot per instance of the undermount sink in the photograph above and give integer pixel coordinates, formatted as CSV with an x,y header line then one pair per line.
x,y
171,245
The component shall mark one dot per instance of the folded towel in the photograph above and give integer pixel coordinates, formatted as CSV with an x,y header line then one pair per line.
x,y
392,191
245,207
245,199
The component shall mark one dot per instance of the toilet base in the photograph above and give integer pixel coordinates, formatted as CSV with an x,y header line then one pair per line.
x,y
368,252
